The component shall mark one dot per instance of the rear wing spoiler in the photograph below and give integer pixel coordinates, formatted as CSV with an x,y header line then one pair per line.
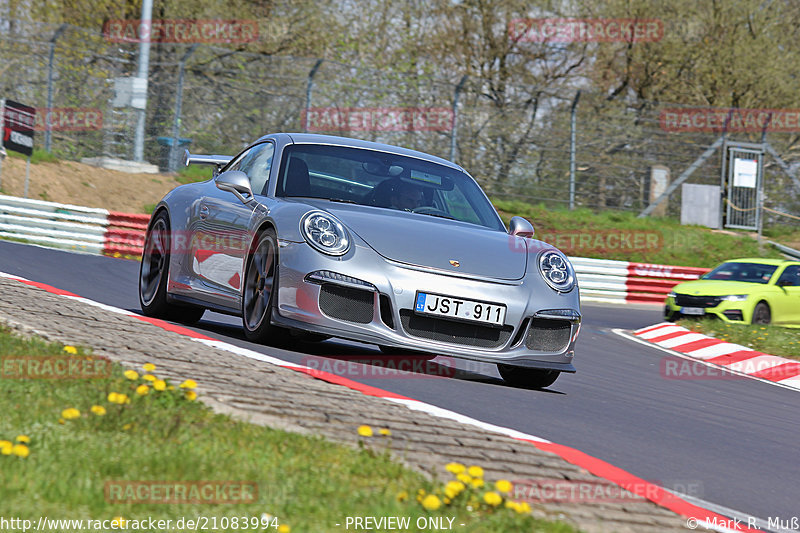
x,y
218,161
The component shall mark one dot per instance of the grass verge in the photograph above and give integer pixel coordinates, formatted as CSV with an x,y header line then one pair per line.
x,y
775,340
620,235
38,156
82,439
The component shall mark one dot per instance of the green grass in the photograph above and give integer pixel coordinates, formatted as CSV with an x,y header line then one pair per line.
x,y
149,208
194,173
660,240
306,482
774,340
38,156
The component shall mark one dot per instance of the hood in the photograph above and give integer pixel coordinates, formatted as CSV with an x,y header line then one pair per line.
x,y
432,242
711,287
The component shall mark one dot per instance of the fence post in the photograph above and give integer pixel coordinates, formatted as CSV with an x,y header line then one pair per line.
x,y
572,127
176,124
308,92
49,112
454,131
142,71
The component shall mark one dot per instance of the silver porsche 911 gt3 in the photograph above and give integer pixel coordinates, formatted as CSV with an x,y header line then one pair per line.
x,y
333,237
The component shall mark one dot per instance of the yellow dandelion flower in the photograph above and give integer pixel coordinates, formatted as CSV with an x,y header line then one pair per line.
x,y
523,507
71,350
188,384
510,504
503,485
20,450
112,397
149,377
24,439
385,432
123,398
453,489
475,471
142,390
477,482
455,468
126,427
402,496
99,410
466,479
446,501
70,414
160,385
492,498
190,395
431,502
118,522
149,367
6,447
284,528
365,431
61,421
131,375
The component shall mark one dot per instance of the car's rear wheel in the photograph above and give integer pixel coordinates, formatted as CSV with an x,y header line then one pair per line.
x,y
762,314
154,273
533,378
260,287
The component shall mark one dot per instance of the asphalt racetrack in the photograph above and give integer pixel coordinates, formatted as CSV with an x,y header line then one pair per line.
x,y
731,442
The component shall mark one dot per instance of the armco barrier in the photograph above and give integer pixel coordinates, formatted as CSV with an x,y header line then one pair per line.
x,y
100,231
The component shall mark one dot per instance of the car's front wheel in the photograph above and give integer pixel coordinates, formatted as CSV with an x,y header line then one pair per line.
x,y
533,378
260,287
153,275
762,314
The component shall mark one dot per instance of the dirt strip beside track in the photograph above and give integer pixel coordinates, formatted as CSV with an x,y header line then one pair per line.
x,y
266,394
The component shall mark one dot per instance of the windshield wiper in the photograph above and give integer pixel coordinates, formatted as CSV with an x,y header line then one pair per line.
x,y
340,200
438,215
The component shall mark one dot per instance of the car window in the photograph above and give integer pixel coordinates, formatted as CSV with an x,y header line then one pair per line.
x,y
383,180
747,272
790,276
256,163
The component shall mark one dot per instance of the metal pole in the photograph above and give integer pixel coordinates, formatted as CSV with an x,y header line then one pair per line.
x,y
308,91
176,124
572,128
454,131
48,115
143,68
2,126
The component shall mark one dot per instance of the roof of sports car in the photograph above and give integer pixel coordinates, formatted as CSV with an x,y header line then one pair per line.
x,y
314,138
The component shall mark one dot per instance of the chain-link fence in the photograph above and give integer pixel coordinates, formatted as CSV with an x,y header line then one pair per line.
x,y
517,146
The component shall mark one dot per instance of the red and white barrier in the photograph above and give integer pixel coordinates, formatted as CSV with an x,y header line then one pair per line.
x,y
106,232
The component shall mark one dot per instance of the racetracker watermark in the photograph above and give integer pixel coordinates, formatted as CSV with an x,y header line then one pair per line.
x,y
710,120
68,119
684,369
318,119
597,490
54,367
212,31
578,30
383,366
582,243
181,492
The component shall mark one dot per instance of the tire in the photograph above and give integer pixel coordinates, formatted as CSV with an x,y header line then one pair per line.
x,y
531,378
258,294
153,275
762,314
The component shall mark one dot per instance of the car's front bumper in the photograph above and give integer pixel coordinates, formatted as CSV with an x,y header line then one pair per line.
x,y
733,312
383,314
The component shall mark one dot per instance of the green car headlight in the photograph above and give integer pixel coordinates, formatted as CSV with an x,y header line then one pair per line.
x,y
734,298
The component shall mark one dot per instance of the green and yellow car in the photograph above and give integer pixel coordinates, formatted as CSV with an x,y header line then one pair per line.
x,y
745,291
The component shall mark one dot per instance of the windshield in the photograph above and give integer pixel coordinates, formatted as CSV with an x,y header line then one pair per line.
x,y
383,180
748,272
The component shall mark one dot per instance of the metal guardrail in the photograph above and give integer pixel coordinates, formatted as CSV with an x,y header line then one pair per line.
x,y
791,253
99,231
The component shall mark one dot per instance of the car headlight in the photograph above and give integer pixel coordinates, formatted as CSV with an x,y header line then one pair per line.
x,y
671,294
734,298
557,271
325,233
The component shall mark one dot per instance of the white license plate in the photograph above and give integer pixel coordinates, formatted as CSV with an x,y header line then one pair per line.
x,y
693,311
448,306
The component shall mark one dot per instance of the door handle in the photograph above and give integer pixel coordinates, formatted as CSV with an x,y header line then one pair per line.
x,y
203,212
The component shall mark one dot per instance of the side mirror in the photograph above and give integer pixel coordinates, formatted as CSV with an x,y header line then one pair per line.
x,y
520,227
237,182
